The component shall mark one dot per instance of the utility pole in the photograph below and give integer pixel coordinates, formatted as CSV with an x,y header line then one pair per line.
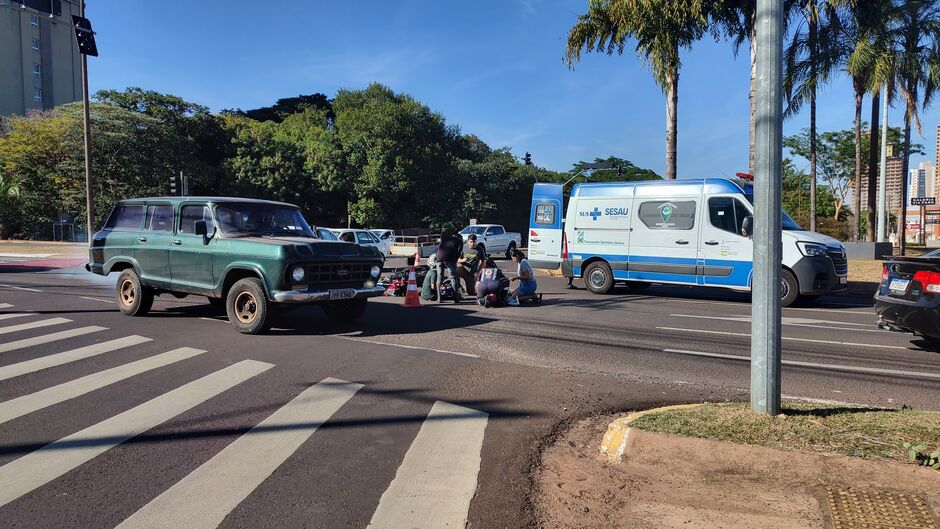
x,y
768,250
86,46
882,185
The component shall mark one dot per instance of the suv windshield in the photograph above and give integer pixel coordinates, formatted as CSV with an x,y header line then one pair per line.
x,y
261,219
473,229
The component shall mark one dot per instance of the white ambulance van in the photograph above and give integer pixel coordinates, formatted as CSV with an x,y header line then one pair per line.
x,y
682,232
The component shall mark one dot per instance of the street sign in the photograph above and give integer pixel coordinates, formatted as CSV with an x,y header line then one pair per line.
x,y
85,36
923,201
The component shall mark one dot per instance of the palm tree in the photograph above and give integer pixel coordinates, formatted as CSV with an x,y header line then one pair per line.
x,y
810,59
865,36
660,29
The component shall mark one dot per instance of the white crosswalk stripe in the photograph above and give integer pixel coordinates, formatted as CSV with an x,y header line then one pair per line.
x,y
12,315
55,459
203,498
33,325
438,477
48,338
21,406
5,306
45,362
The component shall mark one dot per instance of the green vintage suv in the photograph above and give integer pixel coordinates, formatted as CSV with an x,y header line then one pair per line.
x,y
249,256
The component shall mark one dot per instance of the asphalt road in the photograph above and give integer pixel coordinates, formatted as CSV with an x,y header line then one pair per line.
x,y
425,416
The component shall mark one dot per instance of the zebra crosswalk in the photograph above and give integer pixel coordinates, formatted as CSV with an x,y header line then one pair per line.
x,y
433,485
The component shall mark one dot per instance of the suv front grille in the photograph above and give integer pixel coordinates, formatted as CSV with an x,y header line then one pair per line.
x,y
337,275
840,262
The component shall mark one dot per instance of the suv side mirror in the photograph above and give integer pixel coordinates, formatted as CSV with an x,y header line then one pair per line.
x,y
747,226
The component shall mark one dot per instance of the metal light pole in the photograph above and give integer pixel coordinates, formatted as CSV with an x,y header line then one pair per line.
x,y
882,185
765,286
89,191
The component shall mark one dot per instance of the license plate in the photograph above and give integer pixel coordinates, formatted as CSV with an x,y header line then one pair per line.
x,y
342,293
899,286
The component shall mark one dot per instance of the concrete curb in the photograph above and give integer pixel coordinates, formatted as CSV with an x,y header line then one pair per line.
x,y
617,436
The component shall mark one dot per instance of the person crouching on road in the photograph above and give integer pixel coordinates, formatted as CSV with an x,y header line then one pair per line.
x,y
450,249
492,285
525,276
471,261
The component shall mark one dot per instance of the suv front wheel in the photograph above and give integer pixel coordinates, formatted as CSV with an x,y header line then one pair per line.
x,y
133,298
247,306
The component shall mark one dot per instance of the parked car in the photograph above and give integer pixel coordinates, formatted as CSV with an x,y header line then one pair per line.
x,y
908,299
363,238
248,256
385,235
326,234
494,238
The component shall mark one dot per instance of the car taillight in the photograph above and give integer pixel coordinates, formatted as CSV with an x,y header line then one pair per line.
x,y
930,281
564,246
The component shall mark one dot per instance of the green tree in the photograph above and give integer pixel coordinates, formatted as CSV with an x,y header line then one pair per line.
x,y
660,29
287,106
813,54
622,171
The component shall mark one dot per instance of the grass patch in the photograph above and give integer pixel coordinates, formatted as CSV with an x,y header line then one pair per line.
x,y
827,429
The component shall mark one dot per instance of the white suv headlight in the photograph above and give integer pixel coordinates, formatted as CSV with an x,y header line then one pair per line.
x,y
297,274
811,249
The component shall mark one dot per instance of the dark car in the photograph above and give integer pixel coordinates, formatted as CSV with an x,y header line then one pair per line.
x,y
908,299
248,256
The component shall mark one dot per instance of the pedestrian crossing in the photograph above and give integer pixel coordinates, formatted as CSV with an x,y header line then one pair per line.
x,y
433,485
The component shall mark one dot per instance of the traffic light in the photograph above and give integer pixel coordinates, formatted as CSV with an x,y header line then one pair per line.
x,y
619,170
173,186
528,159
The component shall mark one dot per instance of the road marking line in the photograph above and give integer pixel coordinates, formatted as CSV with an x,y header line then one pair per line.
x,y
375,342
5,305
33,325
99,299
809,340
16,315
21,288
438,477
214,319
45,362
832,367
26,404
202,499
35,469
46,338
794,322
742,304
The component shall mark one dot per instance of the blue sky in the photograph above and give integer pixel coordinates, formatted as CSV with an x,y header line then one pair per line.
x,y
492,67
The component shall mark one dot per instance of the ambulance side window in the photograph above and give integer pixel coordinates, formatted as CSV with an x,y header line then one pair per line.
x,y
545,214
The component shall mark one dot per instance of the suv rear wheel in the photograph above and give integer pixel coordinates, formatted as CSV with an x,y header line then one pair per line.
x,y
247,306
345,311
133,298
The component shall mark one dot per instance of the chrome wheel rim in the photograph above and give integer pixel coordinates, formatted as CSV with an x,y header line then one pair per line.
x,y
127,293
597,278
246,307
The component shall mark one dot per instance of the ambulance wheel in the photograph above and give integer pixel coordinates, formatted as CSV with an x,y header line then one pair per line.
x,y
598,277
789,288
637,286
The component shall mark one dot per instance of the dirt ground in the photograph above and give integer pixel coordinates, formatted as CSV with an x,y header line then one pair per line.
x,y
668,481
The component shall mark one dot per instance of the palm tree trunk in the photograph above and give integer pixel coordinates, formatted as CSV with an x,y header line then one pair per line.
x,y
856,224
902,221
751,95
873,150
672,103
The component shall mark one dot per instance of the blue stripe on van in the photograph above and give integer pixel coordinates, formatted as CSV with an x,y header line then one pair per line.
x,y
740,274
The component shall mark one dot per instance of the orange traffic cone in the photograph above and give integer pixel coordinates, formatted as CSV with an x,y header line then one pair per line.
x,y
412,299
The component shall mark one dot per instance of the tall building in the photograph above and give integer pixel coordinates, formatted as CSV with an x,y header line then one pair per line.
x,y
895,167
40,66
922,182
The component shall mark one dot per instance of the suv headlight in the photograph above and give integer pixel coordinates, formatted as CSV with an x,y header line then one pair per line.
x,y
376,270
297,274
811,249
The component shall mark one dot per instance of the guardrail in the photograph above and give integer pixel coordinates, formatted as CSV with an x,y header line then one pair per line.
x,y
409,245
